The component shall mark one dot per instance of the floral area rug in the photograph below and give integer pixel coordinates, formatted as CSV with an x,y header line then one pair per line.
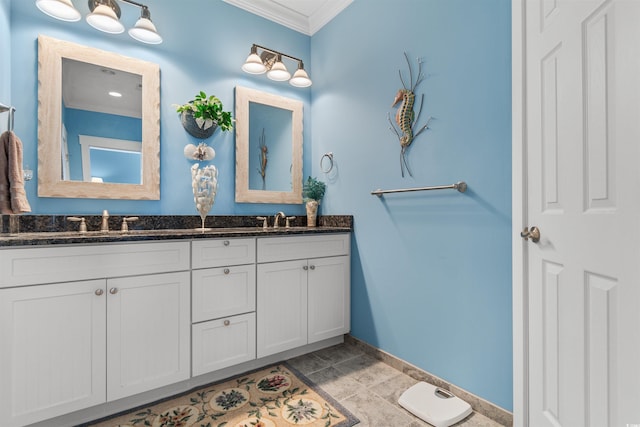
x,y
276,396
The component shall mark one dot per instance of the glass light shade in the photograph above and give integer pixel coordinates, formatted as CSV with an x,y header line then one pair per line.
x,y
300,78
59,9
254,65
278,72
103,18
144,31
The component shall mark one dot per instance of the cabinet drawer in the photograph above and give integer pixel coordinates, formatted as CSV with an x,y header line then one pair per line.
x,y
222,343
28,266
223,291
272,249
222,252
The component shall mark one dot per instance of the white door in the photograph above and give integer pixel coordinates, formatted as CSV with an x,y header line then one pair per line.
x,y
582,138
148,332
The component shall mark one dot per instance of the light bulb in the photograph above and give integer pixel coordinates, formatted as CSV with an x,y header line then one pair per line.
x,y
300,78
59,9
103,18
278,72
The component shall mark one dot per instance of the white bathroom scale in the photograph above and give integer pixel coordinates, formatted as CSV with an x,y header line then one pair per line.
x,y
434,405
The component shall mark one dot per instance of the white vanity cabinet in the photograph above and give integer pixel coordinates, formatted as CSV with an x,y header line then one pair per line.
x,y
223,303
303,290
85,324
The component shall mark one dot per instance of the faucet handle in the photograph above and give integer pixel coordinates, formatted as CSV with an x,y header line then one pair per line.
x,y
264,221
104,227
125,225
289,218
83,224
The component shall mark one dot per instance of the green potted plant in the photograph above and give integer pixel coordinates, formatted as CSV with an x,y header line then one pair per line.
x,y
203,115
312,193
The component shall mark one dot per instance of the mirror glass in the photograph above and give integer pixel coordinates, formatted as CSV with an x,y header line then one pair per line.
x,y
268,148
101,124
98,133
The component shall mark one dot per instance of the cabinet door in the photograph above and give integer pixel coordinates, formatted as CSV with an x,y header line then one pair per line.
x,y
329,297
281,306
223,292
52,351
225,342
148,332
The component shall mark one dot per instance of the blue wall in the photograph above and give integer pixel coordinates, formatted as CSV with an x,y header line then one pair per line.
x,y
5,52
431,272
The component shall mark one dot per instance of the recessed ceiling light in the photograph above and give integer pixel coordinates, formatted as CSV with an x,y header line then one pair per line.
x,y
115,94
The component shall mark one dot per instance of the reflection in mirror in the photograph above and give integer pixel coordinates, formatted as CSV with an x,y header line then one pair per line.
x,y
110,160
268,148
108,145
270,151
102,121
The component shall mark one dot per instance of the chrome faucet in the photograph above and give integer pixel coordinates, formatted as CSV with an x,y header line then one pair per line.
x,y
277,218
105,221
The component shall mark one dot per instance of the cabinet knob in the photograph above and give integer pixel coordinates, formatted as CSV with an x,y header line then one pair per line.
x,y
305,268
313,267
99,292
226,271
227,322
226,243
113,291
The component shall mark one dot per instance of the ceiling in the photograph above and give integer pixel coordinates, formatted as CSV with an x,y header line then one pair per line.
x,y
304,16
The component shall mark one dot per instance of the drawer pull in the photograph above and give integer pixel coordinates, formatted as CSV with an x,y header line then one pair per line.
x,y
99,292
226,243
313,267
226,271
227,322
305,268
113,291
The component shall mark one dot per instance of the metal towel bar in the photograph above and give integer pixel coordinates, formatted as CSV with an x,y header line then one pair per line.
x,y
461,186
10,109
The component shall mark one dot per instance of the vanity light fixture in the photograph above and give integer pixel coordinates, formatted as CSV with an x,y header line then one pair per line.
x,y
104,16
270,61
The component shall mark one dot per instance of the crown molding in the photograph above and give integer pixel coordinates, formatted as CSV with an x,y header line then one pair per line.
x,y
292,18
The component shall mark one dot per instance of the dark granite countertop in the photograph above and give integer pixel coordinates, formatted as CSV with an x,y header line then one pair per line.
x,y
45,230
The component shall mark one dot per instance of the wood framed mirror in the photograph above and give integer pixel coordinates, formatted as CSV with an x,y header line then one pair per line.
x,y
268,148
116,167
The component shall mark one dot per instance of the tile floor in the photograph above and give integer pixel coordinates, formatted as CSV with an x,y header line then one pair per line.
x,y
367,387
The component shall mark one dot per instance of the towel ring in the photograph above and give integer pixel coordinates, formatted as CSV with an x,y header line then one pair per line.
x,y
329,156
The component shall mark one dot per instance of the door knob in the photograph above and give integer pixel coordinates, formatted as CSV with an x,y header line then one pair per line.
x,y
532,233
